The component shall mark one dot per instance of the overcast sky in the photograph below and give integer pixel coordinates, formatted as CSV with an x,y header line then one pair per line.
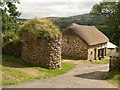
x,y
54,8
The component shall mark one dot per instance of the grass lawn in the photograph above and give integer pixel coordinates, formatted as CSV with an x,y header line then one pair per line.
x,y
102,61
113,77
15,70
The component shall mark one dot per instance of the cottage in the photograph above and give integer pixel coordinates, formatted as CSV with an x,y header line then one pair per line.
x,y
84,42
111,48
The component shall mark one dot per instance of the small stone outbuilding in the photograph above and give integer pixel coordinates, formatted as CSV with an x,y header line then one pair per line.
x,y
41,43
111,48
84,42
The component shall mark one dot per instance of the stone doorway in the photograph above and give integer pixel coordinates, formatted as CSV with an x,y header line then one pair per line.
x,y
100,53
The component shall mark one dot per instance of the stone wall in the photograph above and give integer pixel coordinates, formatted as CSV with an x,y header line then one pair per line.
x,y
114,62
93,51
44,52
111,51
74,48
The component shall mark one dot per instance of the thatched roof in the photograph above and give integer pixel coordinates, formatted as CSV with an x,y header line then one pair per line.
x,y
90,34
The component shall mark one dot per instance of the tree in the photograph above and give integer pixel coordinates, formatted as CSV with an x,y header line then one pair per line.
x,y
9,20
111,11
9,15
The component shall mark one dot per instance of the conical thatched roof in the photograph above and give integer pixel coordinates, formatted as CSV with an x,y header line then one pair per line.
x,y
90,34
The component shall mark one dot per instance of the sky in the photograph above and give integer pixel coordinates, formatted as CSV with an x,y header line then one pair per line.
x,y
54,8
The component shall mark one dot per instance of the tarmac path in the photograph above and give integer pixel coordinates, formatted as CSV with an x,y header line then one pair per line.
x,y
82,76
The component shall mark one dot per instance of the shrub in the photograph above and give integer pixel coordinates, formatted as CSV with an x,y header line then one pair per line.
x,y
11,43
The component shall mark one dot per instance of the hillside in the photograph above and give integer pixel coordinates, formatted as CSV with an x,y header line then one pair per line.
x,y
85,19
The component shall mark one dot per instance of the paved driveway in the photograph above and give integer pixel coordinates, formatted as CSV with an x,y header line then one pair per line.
x,y
82,76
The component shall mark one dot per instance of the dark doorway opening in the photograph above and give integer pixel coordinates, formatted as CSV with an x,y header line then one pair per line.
x,y
100,53
95,54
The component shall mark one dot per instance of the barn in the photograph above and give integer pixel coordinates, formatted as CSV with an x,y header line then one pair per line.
x,y
83,42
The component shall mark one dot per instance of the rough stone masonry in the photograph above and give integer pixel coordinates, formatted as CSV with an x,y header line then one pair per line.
x,y
42,52
114,62
41,43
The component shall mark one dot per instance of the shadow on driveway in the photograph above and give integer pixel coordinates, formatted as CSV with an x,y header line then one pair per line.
x,y
97,75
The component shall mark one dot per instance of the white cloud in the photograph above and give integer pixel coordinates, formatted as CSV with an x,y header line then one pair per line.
x,y
58,8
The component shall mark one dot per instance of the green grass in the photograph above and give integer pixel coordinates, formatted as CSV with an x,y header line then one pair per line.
x,y
103,61
113,77
65,67
15,70
13,76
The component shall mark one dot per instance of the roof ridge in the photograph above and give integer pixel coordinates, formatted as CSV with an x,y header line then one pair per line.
x,y
75,24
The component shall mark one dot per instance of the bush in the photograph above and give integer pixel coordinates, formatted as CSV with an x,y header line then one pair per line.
x,y
113,77
12,48
11,43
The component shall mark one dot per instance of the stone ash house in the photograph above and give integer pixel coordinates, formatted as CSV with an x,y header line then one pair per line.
x,y
41,43
83,42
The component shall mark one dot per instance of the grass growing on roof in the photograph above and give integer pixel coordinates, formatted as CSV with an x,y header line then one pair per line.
x,y
40,28
15,70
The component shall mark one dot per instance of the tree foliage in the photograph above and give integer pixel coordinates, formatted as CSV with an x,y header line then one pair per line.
x,y
111,24
9,15
9,19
